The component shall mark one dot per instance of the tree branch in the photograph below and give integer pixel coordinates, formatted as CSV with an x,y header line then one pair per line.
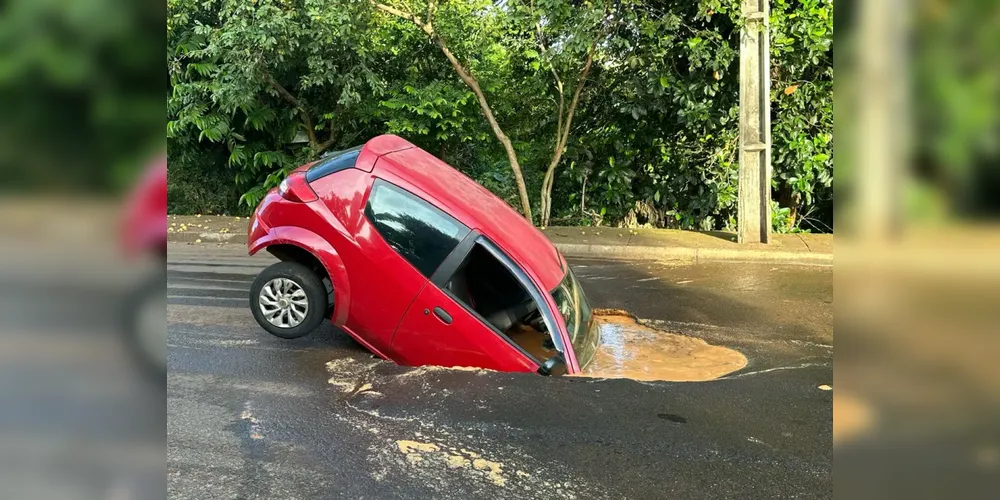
x,y
557,151
541,44
396,12
562,134
576,95
471,82
407,15
303,114
431,7
329,142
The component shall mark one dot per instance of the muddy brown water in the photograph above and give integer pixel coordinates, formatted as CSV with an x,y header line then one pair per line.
x,y
629,349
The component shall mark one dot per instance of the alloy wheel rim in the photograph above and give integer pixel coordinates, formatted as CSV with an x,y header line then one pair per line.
x,y
283,303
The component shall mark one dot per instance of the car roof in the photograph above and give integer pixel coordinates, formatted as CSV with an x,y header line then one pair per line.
x,y
471,204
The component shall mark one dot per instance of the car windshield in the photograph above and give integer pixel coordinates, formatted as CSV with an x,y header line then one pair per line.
x,y
575,310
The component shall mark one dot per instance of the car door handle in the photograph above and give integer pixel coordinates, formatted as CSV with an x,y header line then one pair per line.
x,y
442,315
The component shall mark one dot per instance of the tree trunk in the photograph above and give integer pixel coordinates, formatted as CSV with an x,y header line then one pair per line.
x,y
515,166
471,82
315,146
562,137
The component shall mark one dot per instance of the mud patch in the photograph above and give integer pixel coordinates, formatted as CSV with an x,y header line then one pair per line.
x,y
629,349
423,454
407,446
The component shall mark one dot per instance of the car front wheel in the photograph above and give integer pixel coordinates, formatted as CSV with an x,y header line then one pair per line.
x,y
288,300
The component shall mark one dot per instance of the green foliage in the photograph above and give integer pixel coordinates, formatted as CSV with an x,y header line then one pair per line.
x,y
275,82
956,72
440,111
802,102
654,139
81,93
198,182
668,119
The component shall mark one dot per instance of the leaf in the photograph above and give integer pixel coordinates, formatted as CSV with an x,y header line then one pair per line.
x,y
664,82
789,90
531,53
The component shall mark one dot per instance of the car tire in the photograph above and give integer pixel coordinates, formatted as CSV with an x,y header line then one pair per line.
x,y
277,297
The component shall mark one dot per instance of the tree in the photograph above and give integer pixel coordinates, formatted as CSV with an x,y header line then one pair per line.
x,y
566,37
617,111
427,26
564,34
255,75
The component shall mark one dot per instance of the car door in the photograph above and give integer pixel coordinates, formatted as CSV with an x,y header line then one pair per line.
x,y
438,330
442,329
402,239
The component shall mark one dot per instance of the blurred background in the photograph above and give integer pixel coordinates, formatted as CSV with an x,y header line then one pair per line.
x,y
82,107
917,281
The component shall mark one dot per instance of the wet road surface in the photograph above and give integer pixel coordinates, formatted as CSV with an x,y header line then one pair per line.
x,y
254,416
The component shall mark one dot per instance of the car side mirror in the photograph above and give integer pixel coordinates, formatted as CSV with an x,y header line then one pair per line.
x,y
551,363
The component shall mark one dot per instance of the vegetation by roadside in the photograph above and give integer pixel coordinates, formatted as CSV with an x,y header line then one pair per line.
x,y
604,113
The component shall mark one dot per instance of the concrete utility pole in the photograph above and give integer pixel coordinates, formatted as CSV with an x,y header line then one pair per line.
x,y
754,215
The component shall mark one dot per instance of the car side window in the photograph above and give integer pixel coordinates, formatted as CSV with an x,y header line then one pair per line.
x,y
420,232
333,163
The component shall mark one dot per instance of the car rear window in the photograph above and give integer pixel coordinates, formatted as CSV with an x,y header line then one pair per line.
x,y
334,162
420,232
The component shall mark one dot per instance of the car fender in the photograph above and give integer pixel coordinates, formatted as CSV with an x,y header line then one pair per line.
x,y
324,252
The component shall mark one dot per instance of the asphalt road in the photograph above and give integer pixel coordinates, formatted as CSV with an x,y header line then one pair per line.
x,y
253,416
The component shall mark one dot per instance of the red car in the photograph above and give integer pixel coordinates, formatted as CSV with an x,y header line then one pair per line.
x,y
418,263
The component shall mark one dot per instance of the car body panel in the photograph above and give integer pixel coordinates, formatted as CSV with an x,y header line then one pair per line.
x,y
424,338
386,289
379,296
476,207
344,195
324,252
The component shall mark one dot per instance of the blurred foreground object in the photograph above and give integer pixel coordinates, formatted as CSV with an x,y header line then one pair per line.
x,y
82,94
917,392
80,417
82,90
144,235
